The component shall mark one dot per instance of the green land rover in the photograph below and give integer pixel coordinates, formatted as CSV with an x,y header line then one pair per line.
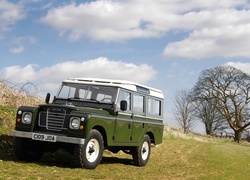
x,y
89,115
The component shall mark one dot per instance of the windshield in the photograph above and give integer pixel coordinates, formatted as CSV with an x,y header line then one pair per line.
x,y
88,92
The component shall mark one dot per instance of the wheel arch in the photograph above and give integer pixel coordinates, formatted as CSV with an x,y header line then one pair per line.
x,y
103,133
151,136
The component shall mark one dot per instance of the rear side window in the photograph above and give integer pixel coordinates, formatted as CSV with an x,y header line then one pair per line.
x,y
154,107
138,104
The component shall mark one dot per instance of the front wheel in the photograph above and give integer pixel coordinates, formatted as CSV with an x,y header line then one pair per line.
x,y
90,154
27,149
141,153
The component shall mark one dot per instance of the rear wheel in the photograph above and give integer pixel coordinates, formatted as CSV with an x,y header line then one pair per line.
x,y
27,149
90,154
141,153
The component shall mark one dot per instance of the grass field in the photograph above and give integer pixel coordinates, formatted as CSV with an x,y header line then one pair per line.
x,y
176,158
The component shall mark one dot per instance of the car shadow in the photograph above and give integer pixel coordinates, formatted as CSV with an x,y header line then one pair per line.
x,y
65,160
116,160
59,158
6,148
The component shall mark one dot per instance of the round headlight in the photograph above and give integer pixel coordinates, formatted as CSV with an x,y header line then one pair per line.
x,y
27,118
75,123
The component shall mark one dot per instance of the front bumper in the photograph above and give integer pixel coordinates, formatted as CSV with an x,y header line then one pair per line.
x,y
59,138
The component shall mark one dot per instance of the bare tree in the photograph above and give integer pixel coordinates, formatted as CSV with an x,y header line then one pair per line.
x,y
212,119
228,90
184,109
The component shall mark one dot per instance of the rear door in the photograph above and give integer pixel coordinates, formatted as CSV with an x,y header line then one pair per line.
x,y
139,124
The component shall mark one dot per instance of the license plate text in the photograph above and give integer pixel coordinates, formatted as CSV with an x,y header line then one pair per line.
x,y
44,137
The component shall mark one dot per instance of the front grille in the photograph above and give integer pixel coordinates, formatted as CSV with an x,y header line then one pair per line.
x,y
53,119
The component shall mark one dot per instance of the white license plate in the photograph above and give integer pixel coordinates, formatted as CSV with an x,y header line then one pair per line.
x,y
44,137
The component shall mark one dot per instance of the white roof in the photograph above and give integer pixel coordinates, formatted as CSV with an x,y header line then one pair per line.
x,y
117,83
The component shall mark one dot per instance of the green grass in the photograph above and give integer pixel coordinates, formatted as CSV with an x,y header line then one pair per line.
x,y
176,158
7,119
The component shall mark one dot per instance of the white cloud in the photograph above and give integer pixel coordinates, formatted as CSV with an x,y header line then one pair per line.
x,y
215,28
20,74
245,67
20,42
101,20
122,20
50,77
17,50
213,33
9,14
230,41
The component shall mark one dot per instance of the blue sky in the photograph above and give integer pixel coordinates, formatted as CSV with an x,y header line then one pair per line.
x,y
162,43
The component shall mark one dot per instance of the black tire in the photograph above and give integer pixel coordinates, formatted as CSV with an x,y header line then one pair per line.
x,y
27,150
89,155
141,153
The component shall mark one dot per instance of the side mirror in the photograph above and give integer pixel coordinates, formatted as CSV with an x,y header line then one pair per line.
x,y
123,105
47,98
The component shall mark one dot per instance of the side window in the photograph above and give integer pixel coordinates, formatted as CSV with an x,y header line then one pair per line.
x,y
154,107
123,95
138,104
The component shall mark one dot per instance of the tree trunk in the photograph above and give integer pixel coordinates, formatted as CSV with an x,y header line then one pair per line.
x,y
237,136
208,129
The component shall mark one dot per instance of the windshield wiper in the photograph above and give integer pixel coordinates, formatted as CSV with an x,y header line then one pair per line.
x,y
92,100
73,99
80,99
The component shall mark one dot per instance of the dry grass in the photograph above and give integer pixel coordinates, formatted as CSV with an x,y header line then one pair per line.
x,y
13,96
